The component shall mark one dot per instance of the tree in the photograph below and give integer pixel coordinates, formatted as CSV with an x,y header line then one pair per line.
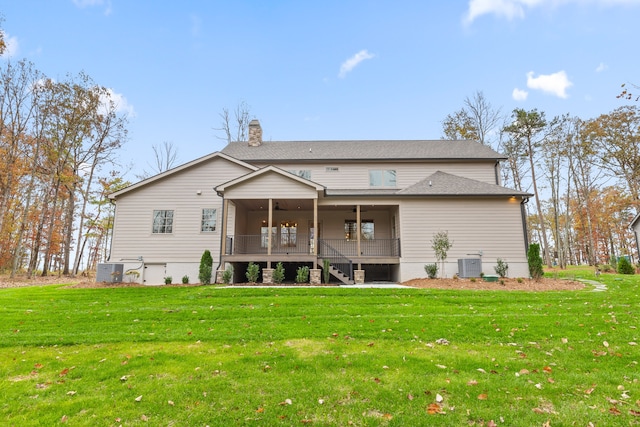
x,y
165,157
235,126
441,245
476,121
528,127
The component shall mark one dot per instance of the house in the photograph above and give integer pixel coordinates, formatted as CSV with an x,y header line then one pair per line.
x,y
371,208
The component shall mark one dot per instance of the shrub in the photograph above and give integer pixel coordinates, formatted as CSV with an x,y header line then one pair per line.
x,y
302,274
501,268
132,275
278,273
206,267
431,270
325,270
185,279
227,276
520,279
168,280
535,261
472,280
624,266
253,271
606,268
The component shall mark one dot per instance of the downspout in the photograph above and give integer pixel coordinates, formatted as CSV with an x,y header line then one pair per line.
x,y
496,170
113,202
523,213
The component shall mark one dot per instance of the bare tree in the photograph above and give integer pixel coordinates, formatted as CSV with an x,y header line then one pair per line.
x,y
477,120
165,157
235,125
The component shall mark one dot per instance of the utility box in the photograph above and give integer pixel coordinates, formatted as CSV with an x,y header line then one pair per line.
x,y
111,273
469,267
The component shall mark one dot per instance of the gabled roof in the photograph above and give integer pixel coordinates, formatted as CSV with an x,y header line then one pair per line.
x,y
177,169
286,151
444,184
221,188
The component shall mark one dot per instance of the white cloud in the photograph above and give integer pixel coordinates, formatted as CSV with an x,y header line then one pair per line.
x,y
556,83
89,3
352,62
11,46
119,101
519,94
511,9
601,67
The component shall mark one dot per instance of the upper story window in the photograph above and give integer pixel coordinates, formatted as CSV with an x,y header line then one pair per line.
x,y
303,173
208,222
162,221
382,178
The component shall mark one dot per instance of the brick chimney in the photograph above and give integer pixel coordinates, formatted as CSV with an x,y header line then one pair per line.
x,y
255,133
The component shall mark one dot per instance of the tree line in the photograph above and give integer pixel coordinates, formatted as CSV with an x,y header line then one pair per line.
x,y
58,141
584,175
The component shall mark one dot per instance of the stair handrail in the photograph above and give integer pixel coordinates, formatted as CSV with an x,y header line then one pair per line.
x,y
336,259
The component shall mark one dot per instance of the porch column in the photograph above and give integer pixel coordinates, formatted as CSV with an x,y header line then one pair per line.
x,y
315,227
358,231
225,210
269,222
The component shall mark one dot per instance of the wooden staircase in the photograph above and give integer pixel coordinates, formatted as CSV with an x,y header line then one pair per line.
x,y
340,275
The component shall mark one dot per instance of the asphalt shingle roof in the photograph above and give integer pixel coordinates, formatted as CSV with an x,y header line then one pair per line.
x,y
444,184
274,151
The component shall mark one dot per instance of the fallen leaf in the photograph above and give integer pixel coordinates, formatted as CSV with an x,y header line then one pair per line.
x,y
433,409
482,396
260,410
306,421
614,411
492,424
634,413
64,419
564,340
472,382
547,369
481,370
321,401
64,372
606,344
138,399
441,366
387,416
439,398
170,402
71,393
143,417
38,365
590,390
410,396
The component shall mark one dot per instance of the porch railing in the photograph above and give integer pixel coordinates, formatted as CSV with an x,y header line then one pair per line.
x,y
299,244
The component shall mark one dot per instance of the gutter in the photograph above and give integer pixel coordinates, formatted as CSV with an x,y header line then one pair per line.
x,y
223,217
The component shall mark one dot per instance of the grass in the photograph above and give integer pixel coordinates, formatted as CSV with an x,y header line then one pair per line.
x,y
320,356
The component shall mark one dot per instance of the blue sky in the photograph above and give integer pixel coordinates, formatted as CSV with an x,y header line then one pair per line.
x,y
322,70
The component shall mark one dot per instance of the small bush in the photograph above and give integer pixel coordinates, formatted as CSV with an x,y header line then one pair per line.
x,y
185,279
535,261
431,270
520,280
168,280
624,266
253,271
206,267
606,268
481,274
302,274
472,280
501,267
227,276
278,273
502,282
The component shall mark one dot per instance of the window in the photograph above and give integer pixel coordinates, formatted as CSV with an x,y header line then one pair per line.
x,y
382,178
264,236
288,234
162,222
302,173
208,220
366,229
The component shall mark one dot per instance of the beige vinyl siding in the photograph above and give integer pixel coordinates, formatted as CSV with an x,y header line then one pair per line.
x,y
133,235
271,185
492,226
356,175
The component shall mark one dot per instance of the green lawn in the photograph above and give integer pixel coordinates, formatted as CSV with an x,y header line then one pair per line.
x,y
323,357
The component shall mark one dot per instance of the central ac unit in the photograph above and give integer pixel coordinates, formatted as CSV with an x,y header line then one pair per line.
x,y
469,267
